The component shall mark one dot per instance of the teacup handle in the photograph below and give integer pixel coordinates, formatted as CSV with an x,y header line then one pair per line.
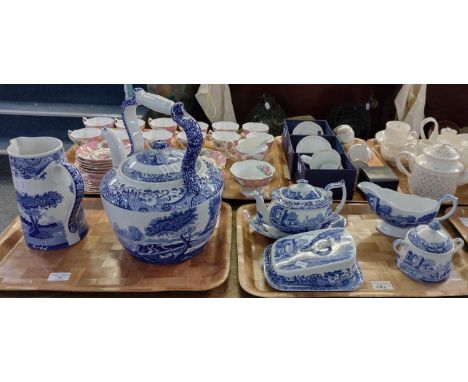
x,y
116,120
454,201
458,243
397,244
414,134
71,137
339,184
229,150
85,120
400,165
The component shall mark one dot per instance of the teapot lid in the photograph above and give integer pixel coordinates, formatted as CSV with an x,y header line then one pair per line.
x,y
301,191
430,238
442,151
158,164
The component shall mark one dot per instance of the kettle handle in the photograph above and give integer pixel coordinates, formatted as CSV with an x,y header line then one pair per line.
x,y
194,144
340,184
424,122
79,194
454,201
400,165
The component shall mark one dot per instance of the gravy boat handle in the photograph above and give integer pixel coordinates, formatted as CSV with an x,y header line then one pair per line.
x,y
454,201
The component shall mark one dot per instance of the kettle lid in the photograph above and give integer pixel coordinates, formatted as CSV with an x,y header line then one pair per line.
x,y
157,164
431,238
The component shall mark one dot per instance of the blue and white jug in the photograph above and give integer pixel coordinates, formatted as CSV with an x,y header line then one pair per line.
x,y
49,191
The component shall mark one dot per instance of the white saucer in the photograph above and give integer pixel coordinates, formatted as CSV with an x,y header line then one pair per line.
x,y
312,144
308,128
390,230
325,159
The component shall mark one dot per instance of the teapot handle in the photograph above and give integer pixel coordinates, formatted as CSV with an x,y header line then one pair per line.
x,y
340,184
400,165
424,122
454,201
194,144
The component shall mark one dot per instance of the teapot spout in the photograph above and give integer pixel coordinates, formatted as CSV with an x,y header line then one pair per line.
x,y
116,146
262,209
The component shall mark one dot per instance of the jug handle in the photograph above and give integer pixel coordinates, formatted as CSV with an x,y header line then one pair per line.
x,y
458,243
194,144
79,194
454,201
397,244
400,165
339,184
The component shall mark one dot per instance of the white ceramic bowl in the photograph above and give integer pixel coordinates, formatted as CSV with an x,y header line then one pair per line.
x,y
270,137
163,123
85,135
252,176
158,135
222,138
225,126
99,122
120,125
258,127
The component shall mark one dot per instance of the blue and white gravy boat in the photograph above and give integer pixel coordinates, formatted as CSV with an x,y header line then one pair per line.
x,y
322,260
400,212
426,252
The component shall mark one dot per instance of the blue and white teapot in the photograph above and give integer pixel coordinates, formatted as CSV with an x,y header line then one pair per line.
x,y
163,203
300,207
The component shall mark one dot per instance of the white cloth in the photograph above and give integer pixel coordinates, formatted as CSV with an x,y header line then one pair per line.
x,y
216,102
410,102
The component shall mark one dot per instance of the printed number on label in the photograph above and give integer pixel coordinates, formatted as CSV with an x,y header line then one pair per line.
x,y
382,285
59,276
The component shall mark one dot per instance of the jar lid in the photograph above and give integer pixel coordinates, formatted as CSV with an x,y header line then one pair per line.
x,y
430,238
158,164
442,151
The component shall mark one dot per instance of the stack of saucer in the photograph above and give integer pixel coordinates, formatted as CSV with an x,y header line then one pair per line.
x,y
94,160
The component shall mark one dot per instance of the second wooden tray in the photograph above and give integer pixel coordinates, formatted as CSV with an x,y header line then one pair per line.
x,y
98,263
374,253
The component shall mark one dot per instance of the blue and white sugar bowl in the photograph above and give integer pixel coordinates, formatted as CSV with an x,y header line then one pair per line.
x,y
162,203
300,207
426,252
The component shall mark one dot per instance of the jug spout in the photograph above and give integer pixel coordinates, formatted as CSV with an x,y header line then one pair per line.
x,y
116,146
262,209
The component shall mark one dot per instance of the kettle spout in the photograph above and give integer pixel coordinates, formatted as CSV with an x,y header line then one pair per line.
x,y
262,209
116,146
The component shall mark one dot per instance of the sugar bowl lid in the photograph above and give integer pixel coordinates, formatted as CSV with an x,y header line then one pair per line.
x,y
157,164
430,238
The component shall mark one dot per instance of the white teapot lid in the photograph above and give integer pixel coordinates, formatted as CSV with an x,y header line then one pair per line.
x,y
442,151
158,164
430,238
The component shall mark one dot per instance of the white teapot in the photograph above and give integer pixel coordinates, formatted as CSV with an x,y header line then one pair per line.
x,y
436,172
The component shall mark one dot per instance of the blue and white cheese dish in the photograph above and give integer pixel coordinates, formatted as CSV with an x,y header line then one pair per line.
x,y
426,253
322,260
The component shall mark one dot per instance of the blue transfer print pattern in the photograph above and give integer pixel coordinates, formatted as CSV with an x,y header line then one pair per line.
x,y
195,143
386,213
31,168
289,221
340,280
421,269
73,222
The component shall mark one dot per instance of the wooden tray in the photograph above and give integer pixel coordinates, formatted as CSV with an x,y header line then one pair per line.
x,y
462,191
374,252
280,179
98,263
461,212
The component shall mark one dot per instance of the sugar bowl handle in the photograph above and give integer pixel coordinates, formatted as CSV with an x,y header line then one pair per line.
x,y
454,201
397,244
